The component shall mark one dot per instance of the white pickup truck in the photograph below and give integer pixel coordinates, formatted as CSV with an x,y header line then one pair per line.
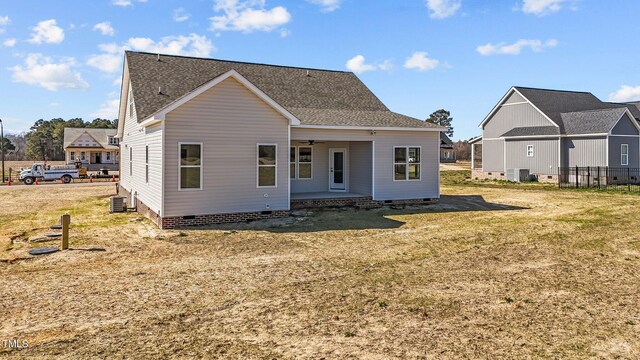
x,y
54,172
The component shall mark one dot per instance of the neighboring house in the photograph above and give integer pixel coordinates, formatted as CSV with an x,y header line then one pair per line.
x,y
209,141
447,155
542,130
96,148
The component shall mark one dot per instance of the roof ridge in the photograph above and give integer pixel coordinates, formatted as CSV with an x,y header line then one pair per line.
x,y
555,90
237,62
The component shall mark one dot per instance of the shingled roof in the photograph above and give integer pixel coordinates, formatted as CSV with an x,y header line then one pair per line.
x,y
315,97
100,135
575,112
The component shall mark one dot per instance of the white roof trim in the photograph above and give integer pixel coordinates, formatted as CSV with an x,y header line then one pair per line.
x,y
368,128
160,115
475,139
500,103
631,118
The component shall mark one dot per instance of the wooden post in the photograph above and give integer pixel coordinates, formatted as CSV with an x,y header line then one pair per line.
x,y
65,221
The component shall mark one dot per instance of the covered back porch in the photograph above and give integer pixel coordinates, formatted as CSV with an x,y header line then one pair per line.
x,y
331,172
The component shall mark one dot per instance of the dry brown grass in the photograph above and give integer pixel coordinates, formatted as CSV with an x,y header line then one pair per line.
x,y
487,273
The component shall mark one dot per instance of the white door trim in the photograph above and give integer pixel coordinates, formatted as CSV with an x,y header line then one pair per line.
x,y
345,175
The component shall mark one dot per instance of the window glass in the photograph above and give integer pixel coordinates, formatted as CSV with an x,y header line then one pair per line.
x,y
190,166
305,155
406,164
400,154
267,165
400,172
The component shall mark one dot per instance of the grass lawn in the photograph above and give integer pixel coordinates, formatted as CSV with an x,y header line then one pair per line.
x,y
492,271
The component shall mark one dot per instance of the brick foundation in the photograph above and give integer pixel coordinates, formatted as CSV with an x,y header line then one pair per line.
x,y
175,222
360,202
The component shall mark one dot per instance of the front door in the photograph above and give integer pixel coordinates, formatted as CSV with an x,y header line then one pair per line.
x,y
337,169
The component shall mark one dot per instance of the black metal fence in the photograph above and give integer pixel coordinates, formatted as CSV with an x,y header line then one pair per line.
x,y
599,177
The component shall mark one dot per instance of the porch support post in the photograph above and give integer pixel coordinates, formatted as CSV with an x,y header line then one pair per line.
x,y
473,156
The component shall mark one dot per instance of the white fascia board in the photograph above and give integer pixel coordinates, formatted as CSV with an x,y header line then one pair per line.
x,y
635,123
160,115
549,136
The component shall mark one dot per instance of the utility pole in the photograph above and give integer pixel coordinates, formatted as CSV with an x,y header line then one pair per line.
x,y
2,147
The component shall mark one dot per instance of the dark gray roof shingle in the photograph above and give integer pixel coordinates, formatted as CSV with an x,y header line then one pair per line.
x,y
444,140
316,97
533,131
592,121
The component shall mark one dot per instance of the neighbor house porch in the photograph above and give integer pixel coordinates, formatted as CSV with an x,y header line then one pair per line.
x,y
93,159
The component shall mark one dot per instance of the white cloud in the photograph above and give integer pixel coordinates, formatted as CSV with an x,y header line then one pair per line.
x,y
285,32
327,5
190,45
123,3
515,48
440,9
10,42
4,21
357,65
48,32
544,7
626,93
248,16
42,71
105,28
110,60
180,15
108,109
108,63
420,61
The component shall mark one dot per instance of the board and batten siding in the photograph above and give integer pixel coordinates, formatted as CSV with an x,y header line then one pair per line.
x,y
229,121
578,151
615,151
384,141
137,138
514,98
625,127
493,155
545,159
508,117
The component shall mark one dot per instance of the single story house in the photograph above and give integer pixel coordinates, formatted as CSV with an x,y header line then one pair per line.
x,y
541,131
210,141
96,149
447,154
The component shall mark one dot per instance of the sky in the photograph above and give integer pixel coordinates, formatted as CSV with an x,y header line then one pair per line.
x,y
64,58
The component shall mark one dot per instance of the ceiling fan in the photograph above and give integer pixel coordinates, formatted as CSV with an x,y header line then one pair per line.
x,y
311,142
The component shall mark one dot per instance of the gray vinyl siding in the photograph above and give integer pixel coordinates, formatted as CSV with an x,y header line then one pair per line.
x,y
625,127
585,151
493,155
514,98
545,159
385,187
513,116
229,121
137,137
360,167
615,151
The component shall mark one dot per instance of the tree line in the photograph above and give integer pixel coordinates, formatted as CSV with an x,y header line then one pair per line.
x,y
45,139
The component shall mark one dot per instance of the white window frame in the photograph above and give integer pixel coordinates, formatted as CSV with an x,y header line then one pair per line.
x,y
530,151
406,163
258,166
297,163
72,155
624,155
146,164
108,156
83,156
180,166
